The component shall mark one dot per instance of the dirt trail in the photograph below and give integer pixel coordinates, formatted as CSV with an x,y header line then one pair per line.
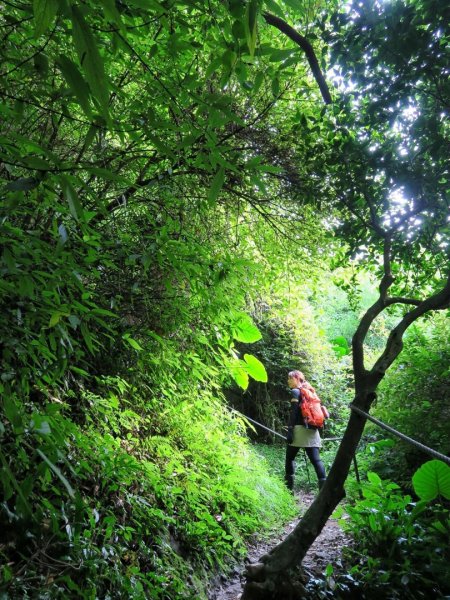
x,y
326,550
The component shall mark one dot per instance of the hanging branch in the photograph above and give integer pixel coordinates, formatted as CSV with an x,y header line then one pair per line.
x,y
308,50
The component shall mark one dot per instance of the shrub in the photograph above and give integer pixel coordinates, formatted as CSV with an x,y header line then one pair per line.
x,y
400,547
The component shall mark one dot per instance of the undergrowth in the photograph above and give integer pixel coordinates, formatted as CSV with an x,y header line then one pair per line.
x,y
120,492
390,557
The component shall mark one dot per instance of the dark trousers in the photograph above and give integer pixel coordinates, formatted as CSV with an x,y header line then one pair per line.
x,y
314,457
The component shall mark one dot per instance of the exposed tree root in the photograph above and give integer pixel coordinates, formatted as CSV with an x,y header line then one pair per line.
x,y
288,586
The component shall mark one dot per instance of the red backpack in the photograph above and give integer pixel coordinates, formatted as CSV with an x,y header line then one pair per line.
x,y
312,411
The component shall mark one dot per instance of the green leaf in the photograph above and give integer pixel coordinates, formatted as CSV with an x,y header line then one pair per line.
x,y
90,136
58,473
431,480
238,30
42,428
112,14
26,506
41,64
255,368
54,319
77,84
228,59
280,55
244,330
90,59
36,162
239,374
250,25
440,527
76,210
44,12
340,346
108,174
79,371
259,78
11,411
270,169
374,478
275,8
87,337
133,343
380,444
213,66
74,321
275,86
295,5
216,185
161,147
340,341
147,5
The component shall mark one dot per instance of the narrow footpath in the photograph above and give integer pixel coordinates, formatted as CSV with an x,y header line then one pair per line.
x,y
327,549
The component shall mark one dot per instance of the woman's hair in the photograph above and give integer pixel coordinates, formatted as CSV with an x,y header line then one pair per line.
x,y
297,375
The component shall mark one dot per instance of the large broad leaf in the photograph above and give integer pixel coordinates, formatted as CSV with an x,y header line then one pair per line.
x,y
77,84
374,478
244,330
255,368
90,59
239,373
250,25
22,184
112,14
216,185
380,445
44,12
76,210
57,471
431,480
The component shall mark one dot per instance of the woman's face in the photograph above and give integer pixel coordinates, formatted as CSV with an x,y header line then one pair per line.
x,y
292,382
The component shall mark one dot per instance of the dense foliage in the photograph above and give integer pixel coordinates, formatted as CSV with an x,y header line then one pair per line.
x,y
170,177
393,535
414,399
121,297
136,502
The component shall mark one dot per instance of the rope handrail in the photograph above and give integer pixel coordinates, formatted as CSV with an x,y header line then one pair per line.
x,y
358,410
333,439
402,436
260,424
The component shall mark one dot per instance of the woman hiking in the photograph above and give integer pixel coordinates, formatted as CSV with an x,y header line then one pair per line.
x,y
299,434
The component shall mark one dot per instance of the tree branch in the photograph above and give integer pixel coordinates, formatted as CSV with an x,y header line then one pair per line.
x,y
398,300
308,50
394,345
